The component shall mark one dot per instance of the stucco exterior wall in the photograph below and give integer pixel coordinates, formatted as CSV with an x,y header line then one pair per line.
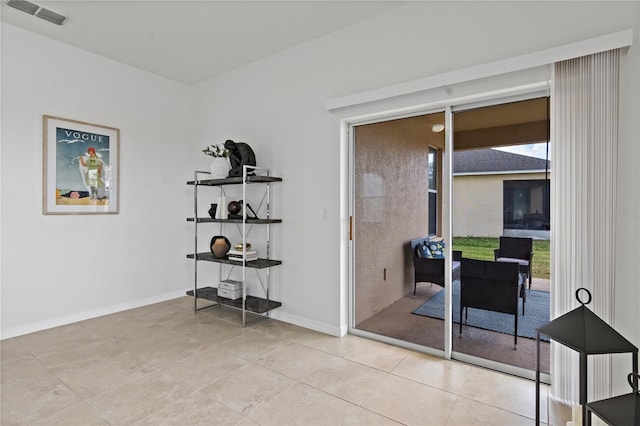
x,y
391,208
477,203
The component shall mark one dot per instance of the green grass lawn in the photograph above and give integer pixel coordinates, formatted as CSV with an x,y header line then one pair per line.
x,y
482,248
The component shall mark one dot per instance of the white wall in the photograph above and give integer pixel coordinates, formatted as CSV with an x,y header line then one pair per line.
x,y
627,297
277,106
57,269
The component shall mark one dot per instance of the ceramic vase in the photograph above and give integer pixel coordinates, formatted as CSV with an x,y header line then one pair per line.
x,y
220,246
220,167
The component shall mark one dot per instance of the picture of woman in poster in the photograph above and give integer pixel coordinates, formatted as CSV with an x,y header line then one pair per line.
x,y
91,169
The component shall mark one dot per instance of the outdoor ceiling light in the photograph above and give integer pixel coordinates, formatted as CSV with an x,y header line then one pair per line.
x,y
437,128
35,10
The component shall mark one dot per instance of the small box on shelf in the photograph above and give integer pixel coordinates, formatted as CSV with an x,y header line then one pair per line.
x,y
230,294
230,285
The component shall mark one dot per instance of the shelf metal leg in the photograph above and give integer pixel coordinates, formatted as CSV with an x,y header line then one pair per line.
x,y
195,242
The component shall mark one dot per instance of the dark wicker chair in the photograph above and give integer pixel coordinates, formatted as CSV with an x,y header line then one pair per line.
x,y
517,250
492,286
432,270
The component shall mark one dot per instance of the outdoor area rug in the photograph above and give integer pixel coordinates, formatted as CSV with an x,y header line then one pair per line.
x,y
536,313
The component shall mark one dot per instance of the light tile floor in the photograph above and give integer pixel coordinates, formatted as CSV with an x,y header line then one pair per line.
x,y
164,365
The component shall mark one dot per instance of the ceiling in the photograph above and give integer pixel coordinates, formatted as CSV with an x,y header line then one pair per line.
x,y
191,41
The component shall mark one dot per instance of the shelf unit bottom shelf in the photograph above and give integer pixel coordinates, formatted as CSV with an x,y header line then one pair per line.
x,y
253,304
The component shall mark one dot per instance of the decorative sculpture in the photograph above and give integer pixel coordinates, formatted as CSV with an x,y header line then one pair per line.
x,y
255,216
212,210
234,209
240,154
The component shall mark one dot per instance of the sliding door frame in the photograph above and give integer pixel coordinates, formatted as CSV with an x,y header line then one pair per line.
x,y
348,130
449,106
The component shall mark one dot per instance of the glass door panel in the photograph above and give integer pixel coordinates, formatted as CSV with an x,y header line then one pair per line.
x,y
500,183
396,184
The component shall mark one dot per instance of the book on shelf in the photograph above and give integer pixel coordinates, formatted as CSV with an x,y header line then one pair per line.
x,y
240,257
234,252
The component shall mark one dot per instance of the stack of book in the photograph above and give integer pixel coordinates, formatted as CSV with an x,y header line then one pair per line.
x,y
235,254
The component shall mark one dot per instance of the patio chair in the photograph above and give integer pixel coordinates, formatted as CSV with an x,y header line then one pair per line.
x,y
516,250
431,270
492,286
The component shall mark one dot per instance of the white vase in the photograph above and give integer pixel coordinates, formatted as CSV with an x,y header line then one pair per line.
x,y
220,167
221,211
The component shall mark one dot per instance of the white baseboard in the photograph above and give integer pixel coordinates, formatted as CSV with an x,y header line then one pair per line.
x,y
33,327
307,323
81,316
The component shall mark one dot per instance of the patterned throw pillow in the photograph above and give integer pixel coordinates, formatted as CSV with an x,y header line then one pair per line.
x,y
422,250
437,249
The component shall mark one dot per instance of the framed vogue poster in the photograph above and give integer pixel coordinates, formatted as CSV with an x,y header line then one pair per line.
x,y
81,167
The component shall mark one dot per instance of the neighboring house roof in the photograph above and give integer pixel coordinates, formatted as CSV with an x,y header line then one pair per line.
x,y
480,161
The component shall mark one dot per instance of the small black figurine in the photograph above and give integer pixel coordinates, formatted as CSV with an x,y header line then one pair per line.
x,y
212,211
240,154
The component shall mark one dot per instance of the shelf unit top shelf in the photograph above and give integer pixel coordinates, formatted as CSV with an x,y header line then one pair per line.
x,y
235,180
248,221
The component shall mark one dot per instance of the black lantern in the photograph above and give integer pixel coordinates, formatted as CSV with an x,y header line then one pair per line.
x,y
586,333
619,410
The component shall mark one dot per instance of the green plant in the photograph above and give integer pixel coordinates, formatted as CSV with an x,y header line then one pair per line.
x,y
216,151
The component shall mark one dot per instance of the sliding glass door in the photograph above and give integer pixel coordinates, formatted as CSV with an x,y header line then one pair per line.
x,y
451,176
397,182
499,178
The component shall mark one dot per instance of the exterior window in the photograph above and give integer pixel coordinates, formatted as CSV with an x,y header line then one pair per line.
x,y
526,204
432,171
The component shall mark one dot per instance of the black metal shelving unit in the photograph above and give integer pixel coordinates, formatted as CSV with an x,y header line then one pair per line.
x,y
248,303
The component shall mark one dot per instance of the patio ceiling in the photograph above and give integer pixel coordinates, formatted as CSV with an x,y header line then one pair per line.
x,y
514,123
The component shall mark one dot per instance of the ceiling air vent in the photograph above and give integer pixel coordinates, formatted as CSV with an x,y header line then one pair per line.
x,y
25,6
51,16
40,12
